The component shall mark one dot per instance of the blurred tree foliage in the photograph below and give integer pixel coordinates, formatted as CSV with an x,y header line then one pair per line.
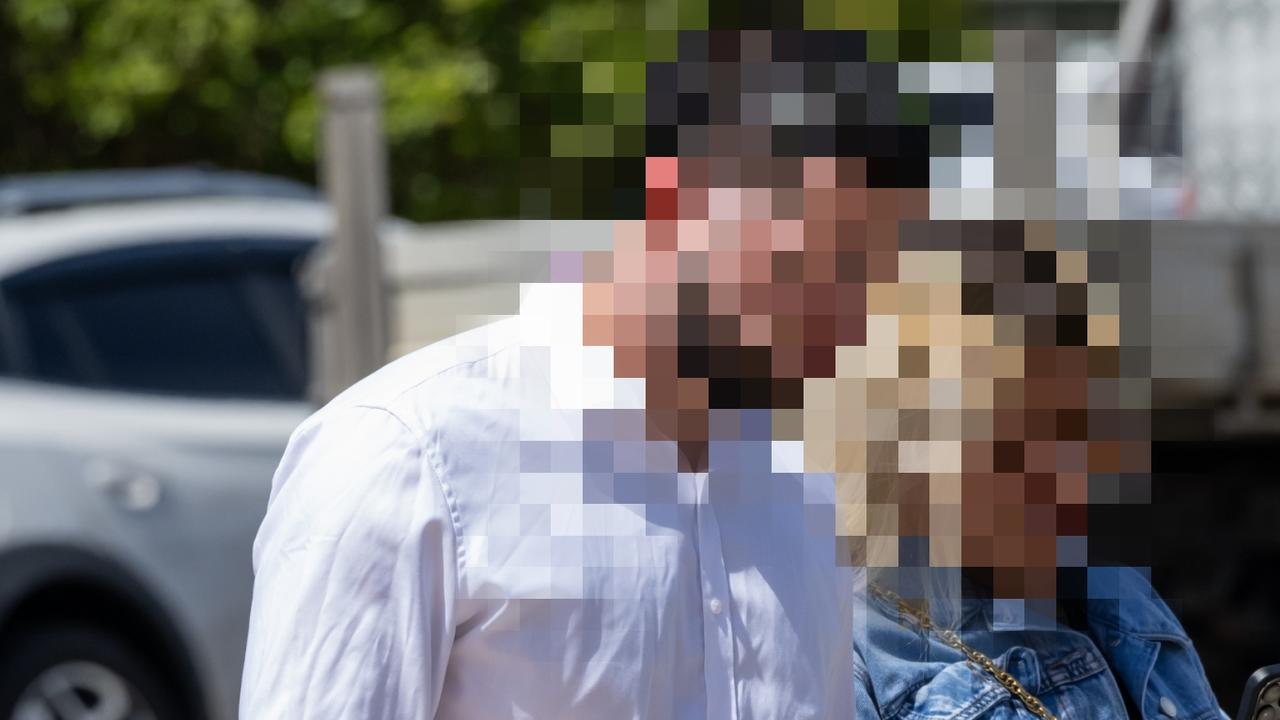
x,y
470,86
109,83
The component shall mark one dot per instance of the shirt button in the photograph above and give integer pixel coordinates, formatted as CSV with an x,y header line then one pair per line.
x,y
1168,708
716,606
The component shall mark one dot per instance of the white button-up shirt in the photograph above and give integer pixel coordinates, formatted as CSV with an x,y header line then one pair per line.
x,y
481,530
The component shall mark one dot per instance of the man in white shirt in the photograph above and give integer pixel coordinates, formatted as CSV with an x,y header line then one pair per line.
x,y
482,530
598,508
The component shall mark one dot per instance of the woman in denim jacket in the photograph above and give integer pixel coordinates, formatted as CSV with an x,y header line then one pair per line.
x,y
1121,654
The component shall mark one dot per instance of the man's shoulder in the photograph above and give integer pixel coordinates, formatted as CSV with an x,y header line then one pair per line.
x,y
434,376
489,383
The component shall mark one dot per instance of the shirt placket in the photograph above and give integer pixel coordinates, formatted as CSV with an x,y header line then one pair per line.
x,y
717,630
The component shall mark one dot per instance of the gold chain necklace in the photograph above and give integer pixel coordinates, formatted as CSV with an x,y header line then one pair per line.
x,y
951,638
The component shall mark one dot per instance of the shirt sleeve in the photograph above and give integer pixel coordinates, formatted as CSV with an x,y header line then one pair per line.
x,y
355,565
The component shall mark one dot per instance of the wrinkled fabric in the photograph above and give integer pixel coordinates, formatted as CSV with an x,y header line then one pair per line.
x,y
481,530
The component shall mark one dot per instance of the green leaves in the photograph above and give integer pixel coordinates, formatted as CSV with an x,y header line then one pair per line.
x,y
234,81
105,63
476,92
426,84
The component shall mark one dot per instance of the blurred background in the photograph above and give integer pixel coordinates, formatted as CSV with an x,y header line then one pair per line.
x,y
215,214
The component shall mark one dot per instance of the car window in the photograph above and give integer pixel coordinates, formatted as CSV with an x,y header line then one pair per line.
x,y
210,318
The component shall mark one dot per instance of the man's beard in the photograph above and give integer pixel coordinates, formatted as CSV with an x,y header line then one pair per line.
x,y
738,377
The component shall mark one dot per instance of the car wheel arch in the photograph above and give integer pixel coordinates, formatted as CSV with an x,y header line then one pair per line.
x,y
50,582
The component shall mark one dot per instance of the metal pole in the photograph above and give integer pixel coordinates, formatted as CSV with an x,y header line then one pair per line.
x,y
346,282
1135,43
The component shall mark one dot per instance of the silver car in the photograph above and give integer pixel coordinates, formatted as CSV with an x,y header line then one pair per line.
x,y
152,365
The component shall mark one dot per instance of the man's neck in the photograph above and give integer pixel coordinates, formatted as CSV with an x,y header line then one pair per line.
x,y
687,426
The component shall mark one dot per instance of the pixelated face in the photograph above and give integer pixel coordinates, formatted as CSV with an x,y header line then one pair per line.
x,y
777,169
962,379
747,273
966,430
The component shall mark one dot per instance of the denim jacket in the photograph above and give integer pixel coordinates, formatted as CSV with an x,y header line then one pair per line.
x,y
1133,656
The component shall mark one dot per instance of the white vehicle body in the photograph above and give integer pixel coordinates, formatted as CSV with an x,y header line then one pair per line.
x,y
165,490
